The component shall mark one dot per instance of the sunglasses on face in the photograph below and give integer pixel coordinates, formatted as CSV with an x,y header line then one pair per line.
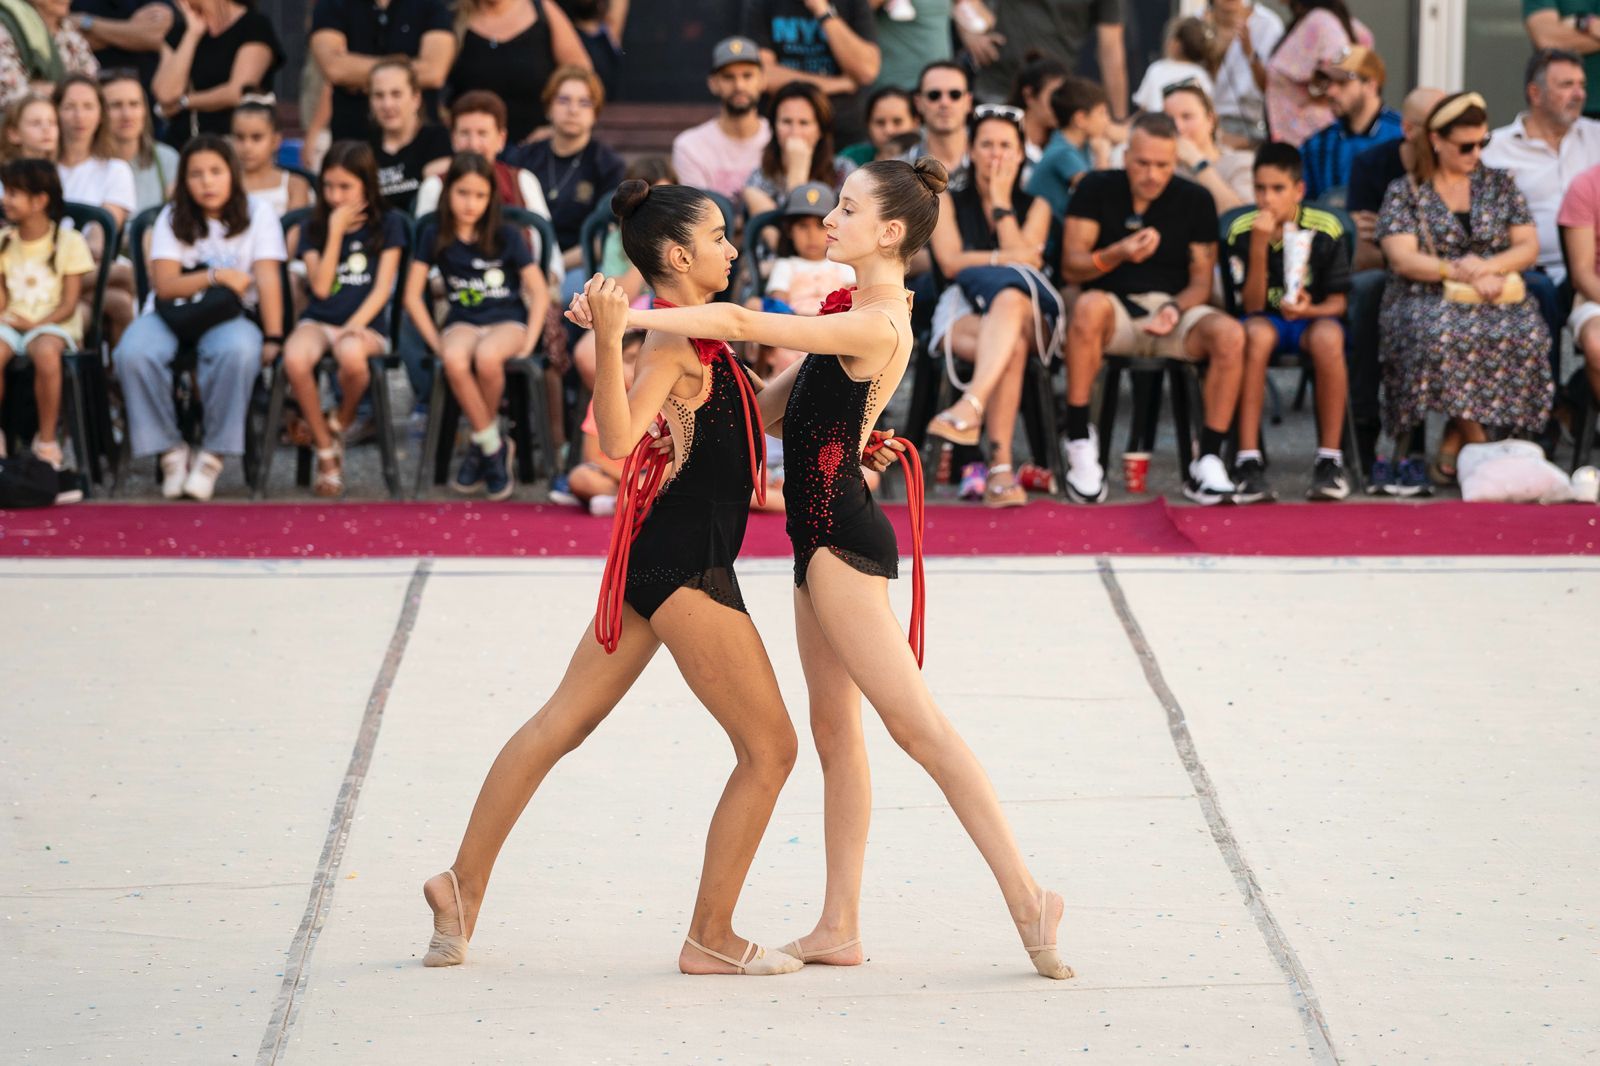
x,y
1470,146
1005,111
935,95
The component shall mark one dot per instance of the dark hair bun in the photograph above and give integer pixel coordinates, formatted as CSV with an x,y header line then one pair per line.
x,y
931,173
629,195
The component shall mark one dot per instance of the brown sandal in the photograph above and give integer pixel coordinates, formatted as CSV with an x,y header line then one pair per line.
x,y
330,472
1009,494
947,425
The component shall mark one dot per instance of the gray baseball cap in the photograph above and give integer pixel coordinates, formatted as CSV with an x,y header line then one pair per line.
x,y
813,198
731,50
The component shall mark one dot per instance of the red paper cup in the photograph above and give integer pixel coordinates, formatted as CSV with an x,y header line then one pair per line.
x,y
1135,470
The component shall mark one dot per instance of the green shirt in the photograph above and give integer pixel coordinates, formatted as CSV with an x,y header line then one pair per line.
x,y
1567,8
907,47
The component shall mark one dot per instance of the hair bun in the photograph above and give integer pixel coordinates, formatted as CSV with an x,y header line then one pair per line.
x,y
931,173
629,195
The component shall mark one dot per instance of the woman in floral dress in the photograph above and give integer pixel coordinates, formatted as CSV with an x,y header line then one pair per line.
x,y
1481,364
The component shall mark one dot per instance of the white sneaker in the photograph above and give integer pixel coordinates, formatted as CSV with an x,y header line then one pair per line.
x,y
1086,479
900,11
174,468
1208,481
202,479
602,506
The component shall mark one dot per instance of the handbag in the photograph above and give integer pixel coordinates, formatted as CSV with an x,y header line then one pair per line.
x,y
1514,291
190,317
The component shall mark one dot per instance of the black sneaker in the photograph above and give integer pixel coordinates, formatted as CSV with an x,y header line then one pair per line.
x,y
1250,482
469,479
1328,480
498,477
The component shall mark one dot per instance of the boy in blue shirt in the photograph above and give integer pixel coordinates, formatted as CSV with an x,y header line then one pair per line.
x,y
1308,324
1077,146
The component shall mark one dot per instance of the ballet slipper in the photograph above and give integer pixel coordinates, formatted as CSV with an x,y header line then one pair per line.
x,y
1046,957
449,944
794,948
757,960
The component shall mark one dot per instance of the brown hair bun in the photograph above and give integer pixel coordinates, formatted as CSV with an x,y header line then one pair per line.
x,y
931,173
628,197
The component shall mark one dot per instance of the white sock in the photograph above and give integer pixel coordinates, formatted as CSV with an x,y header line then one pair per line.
x,y
1331,453
1248,454
488,439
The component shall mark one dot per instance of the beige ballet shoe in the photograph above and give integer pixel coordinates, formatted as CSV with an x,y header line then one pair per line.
x,y
449,944
757,960
794,948
1046,957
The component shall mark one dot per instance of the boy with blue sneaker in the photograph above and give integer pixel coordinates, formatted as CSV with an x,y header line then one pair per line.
x,y
1306,321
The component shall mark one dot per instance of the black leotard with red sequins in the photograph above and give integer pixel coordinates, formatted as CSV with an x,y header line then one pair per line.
x,y
827,500
694,530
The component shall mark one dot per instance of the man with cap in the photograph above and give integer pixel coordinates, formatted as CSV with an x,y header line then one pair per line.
x,y
720,153
1353,89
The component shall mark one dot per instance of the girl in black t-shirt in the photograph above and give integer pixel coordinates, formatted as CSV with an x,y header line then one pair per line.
x,y
404,143
498,299
351,250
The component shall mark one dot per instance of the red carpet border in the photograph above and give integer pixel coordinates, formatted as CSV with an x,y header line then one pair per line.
x,y
369,530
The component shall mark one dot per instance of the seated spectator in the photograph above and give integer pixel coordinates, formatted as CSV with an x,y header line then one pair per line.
x,y
998,52
32,130
497,301
1580,228
1222,172
1308,323
1570,25
89,175
944,102
1547,146
600,24
998,309
1040,76
575,169
1144,244
906,44
802,276
720,153
42,273
214,263
1460,231
593,483
350,37
351,249
1353,88
405,143
39,45
512,48
1184,60
801,149
1318,33
891,121
126,35
131,137
207,65
830,47
1078,145
1243,34
256,141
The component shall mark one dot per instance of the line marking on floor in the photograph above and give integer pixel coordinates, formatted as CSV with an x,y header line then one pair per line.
x,y
297,964
1305,996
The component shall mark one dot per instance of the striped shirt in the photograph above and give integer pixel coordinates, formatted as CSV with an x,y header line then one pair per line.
x,y
1328,153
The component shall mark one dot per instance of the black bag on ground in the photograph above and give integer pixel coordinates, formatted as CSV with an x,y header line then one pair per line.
x,y
190,317
27,481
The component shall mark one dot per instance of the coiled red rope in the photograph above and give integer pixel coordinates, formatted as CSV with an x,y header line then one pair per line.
x,y
643,474
911,466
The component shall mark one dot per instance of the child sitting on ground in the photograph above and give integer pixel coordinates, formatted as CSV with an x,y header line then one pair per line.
x,y
1308,323
42,271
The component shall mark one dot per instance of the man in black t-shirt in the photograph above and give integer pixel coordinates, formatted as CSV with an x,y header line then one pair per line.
x,y
349,36
125,34
1143,244
832,45
1306,323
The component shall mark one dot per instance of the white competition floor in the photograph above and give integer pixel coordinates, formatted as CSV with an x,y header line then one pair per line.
x,y
1306,811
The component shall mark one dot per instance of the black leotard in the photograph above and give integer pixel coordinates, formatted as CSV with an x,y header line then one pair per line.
x,y
694,530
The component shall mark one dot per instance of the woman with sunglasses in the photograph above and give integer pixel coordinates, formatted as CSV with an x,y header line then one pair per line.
x,y
1459,231
1318,33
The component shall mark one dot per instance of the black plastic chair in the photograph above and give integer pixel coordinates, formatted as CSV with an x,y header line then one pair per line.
x,y
378,365
753,252
1295,358
592,236
85,382
525,390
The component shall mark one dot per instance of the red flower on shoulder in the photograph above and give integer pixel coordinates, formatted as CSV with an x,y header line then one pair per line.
x,y
838,300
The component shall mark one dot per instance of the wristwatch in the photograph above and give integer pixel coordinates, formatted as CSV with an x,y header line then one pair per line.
x,y
829,12
84,22
999,213
1581,22
1198,167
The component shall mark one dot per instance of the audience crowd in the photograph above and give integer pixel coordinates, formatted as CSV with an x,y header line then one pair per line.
x,y
1252,199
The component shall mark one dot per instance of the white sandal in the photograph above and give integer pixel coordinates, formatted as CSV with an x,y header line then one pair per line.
x,y
947,425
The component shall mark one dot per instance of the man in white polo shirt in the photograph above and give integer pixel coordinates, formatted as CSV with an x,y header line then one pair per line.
x,y
720,153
